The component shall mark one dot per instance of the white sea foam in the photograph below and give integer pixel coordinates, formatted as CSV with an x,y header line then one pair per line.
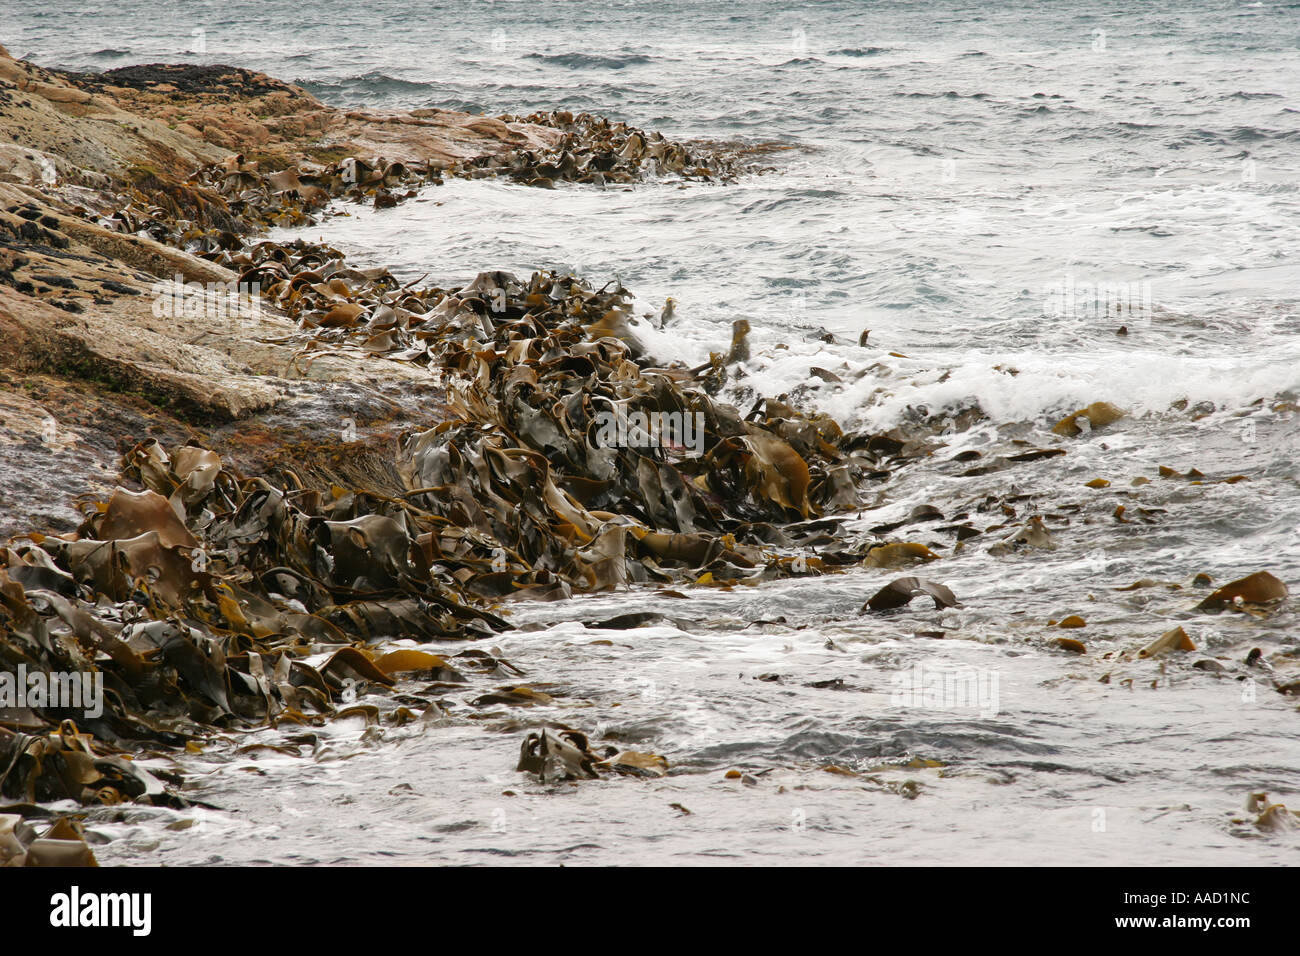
x,y
1044,385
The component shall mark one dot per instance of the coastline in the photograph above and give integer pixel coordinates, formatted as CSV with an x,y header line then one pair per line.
x,y
326,501
84,144
129,424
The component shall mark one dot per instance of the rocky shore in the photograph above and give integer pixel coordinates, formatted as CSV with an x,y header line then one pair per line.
x,y
255,492
234,470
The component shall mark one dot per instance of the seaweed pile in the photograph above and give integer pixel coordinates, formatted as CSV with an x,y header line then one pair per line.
x,y
224,202
599,151
65,763
206,598
531,370
198,597
209,600
289,196
513,495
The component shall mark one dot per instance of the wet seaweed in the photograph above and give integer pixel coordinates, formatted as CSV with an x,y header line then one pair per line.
x,y
208,599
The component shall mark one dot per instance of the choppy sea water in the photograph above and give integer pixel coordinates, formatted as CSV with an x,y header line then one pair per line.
x,y
972,186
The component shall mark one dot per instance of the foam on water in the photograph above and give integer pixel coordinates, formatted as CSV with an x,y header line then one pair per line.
x,y
1043,386
1204,335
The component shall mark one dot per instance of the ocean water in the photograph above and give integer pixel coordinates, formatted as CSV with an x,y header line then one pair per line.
x,y
976,187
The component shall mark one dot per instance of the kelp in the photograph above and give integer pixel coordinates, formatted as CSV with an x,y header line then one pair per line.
x,y
1257,592
208,599
1032,536
205,597
598,151
1172,640
1272,817
559,753
525,475
200,598
223,202
66,764
898,555
520,476
62,844
1094,416
900,591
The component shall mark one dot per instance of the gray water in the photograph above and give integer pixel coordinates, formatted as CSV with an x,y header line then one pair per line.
x,y
954,169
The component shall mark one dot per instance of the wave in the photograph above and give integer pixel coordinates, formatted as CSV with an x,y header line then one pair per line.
x,y
1243,134
860,51
372,82
380,89
590,61
1044,386
947,95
